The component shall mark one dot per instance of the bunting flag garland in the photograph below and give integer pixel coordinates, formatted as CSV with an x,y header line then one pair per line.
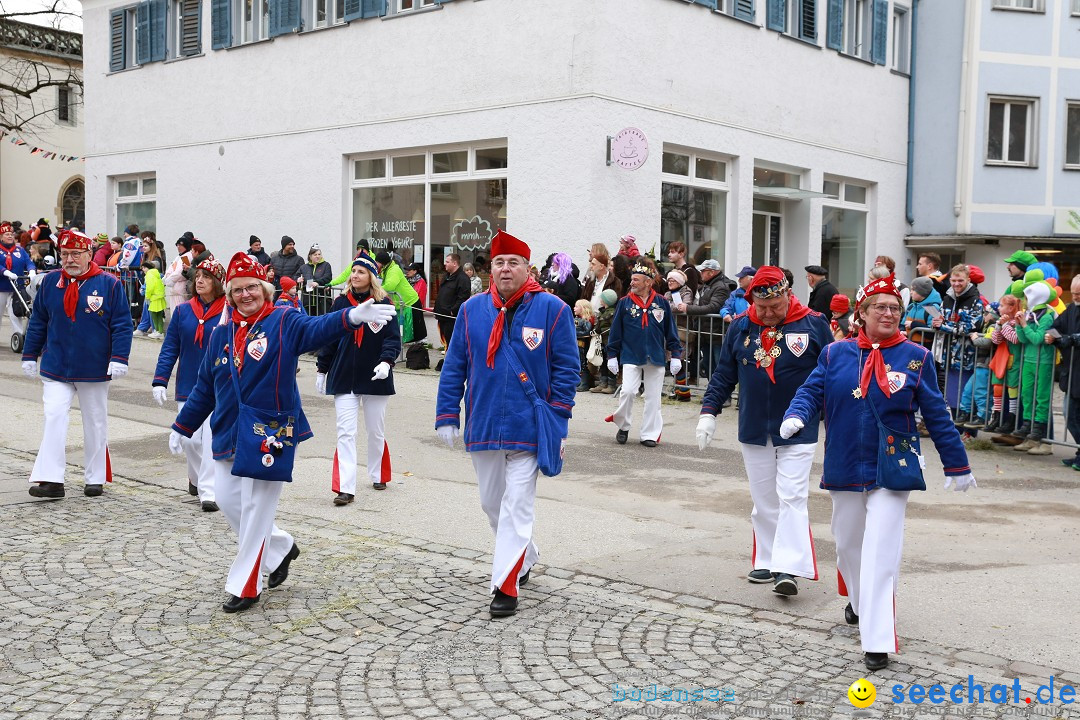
x,y
46,154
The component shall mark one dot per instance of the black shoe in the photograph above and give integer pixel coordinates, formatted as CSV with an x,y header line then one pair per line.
x,y
975,423
93,490
502,605
1023,430
524,579
993,423
760,576
849,615
47,490
237,604
876,661
648,443
785,585
192,490
1038,432
620,437
209,506
343,499
278,576
379,486
962,417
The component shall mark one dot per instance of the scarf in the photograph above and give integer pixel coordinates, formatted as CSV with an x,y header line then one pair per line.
x,y
358,334
875,363
71,293
243,325
202,316
796,311
9,252
497,327
643,304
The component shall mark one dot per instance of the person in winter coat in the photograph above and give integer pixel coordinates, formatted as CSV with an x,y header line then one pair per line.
x,y
679,292
1037,369
286,262
962,313
358,371
1005,362
401,292
737,304
476,283
925,306
821,290
175,283
186,341
454,290
605,382
560,280
290,297
415,275
316,273
840,314
155,298
255,250
973,400
599,276
1064,334
103,251
711,297
676,252
628,248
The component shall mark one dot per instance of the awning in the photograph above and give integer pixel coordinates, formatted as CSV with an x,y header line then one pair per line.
x,y
785,193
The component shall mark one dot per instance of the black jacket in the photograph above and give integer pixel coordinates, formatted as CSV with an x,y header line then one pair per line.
x,y
711,297
349,368
821,296
1068,324
569,290
455,289
286,266
261,256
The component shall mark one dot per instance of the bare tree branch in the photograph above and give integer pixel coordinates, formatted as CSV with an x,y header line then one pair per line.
x,y
35,62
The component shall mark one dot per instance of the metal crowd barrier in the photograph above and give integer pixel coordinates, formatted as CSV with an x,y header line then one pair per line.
x,y
134,288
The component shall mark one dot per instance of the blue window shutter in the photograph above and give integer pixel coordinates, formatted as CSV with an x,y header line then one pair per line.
x,y
373,8
353,9
190,28
744,10
142,32
157,30
808,20
284,17
440,2
776,15
117,40
834,36
881,31
221,24
707,3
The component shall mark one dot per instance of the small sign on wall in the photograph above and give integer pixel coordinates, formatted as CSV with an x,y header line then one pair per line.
x,y
629,149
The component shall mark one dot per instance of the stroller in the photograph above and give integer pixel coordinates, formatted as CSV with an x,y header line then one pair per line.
x,y
23,300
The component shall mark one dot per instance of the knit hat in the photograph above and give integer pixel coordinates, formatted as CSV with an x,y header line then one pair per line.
x,y
382,257
975,274
252,240
506,244
286,241
678,276
287,284
839,303
102,238
922,285
6,227
243,265
609,297
365,261
185,240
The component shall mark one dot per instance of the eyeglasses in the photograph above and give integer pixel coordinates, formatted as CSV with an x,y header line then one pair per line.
x,y
249,290
885,309
70,254
512,264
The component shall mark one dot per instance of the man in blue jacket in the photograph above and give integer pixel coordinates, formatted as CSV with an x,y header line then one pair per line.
x,y
515,318
769,352
81,331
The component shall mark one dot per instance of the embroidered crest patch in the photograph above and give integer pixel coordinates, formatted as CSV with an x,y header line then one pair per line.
x,y
797,343
532,337
94,302
376,326
257,348
897,380
658,313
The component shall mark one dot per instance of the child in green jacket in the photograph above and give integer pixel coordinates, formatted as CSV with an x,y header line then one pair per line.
x,y
155,296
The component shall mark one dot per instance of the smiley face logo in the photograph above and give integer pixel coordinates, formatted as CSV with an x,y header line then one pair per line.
x,y
862,693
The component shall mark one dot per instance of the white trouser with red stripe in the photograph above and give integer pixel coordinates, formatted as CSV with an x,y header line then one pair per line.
x,y
652,423
249,505
779,486
869,532
52,459
507,480
199,450
378,453
7,306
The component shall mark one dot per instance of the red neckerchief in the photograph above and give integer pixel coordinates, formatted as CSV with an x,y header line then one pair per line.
x,y
643,304
358,334
243,325
875,363
796,311
9,252
215,308
497,327
71,293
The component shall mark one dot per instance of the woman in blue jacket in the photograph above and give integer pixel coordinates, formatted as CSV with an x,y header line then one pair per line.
x,y
879,374
358,370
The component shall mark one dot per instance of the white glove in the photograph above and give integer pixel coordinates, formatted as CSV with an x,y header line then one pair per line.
x,y
159,395
962,482
29,368
706,428
676,366
32,272
320,383
613,366
117,370
790,427
10,275
448,433
382,371
370,311
176,443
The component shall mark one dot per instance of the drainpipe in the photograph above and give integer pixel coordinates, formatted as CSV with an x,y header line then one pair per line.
x,y
963,130
910,212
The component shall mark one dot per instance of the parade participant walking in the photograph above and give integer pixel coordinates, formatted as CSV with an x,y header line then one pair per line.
x,y
642,333
769,352
81,331
514,359
186,341
869,388
14,263
358,371
249,374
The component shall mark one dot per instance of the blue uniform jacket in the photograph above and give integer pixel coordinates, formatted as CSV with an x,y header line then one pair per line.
x,y
636,345
851,431
498,413
79,351
20,264
349,368
762,404
267,380
180,345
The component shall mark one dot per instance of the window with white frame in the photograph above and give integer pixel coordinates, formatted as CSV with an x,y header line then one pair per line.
x,y
1029,5
135,201
407,5
844,216
1072,135
1010,131
742,9
797,18
121,39
693,204
1076,7
324,13
253,19
65,105
901,39
857,20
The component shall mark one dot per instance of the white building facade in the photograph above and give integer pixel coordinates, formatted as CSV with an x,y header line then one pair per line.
x,y
758,131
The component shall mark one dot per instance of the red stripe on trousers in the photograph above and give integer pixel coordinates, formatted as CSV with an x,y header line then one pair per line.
x,y
509,586
385,476
896,638
335,481
753,551
253,579
108,465
841,586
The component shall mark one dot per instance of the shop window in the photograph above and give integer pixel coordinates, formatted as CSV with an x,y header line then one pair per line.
x,y
693,205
